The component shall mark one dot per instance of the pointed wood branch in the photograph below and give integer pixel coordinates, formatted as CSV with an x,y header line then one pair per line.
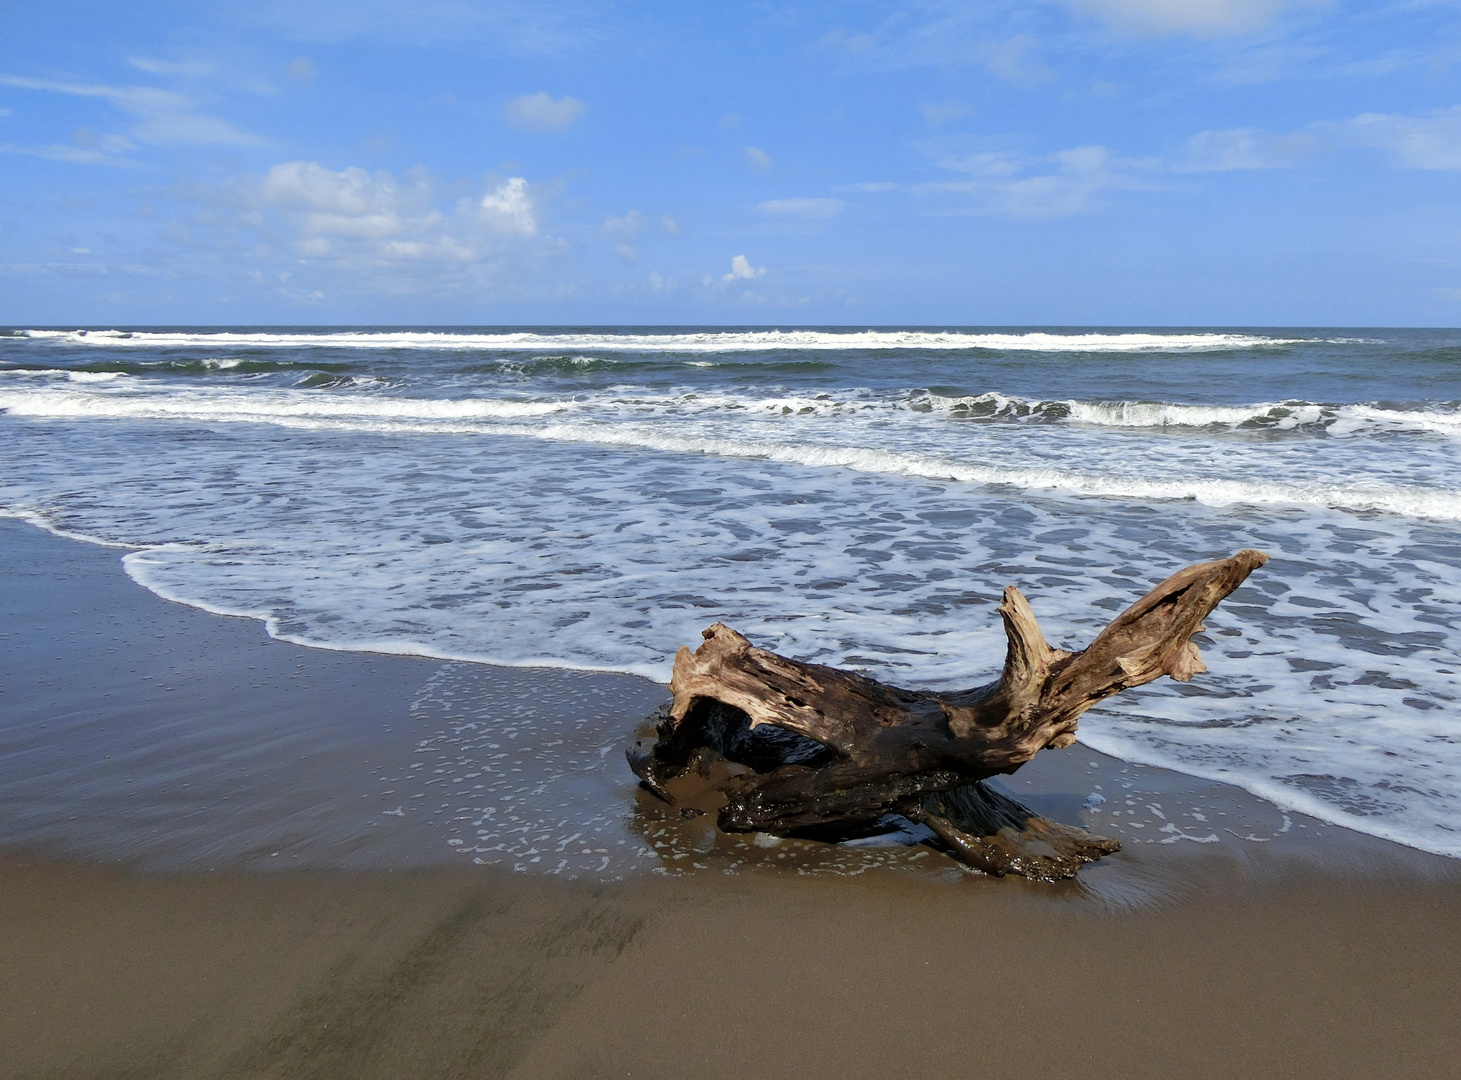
x,y
829,749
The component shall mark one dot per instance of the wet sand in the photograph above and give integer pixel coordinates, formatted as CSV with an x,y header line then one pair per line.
x,y
454,973
155,759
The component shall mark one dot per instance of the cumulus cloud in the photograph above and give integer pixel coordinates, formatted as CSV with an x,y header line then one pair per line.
x,y
540,112
802,208
758,157
742,268
509,208
357,218
1200,18
162,117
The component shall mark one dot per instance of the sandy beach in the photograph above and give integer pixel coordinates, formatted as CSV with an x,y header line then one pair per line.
x,y
204,878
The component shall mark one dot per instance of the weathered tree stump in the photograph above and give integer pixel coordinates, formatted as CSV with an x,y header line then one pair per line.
x,y
779,746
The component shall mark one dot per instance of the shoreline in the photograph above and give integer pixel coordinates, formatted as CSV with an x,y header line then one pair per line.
x,y
144,732
201,875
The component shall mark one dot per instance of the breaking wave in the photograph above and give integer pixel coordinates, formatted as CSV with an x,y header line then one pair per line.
x,y
717,341
1283,416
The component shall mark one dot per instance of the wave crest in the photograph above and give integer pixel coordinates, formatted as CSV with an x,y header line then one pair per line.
x,y
716,341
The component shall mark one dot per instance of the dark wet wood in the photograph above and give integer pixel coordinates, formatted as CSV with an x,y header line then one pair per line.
x,y
827,752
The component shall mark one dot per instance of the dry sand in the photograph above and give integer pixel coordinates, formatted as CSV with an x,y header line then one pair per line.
x,y
153,760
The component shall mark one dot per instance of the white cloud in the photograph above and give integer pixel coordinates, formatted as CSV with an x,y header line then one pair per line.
x,y
302,70
939,32
624,229
758,157
540,112
1243,148
742,268
802,208
627,226
509,208
1432,141
669,226
361,220
1000,182
1200,18
160,116
350,203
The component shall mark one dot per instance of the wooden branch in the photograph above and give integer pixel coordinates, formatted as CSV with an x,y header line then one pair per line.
x,y
831,750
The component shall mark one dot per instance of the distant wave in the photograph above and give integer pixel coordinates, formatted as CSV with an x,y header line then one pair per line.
x,y
281,407
64,373
210,365
702,342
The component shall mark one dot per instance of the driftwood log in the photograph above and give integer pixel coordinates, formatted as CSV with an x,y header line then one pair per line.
x,y
779,746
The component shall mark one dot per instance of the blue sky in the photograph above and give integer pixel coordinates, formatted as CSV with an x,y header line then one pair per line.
x,y
1109,162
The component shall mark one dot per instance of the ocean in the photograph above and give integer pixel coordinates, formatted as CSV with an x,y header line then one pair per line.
x,y
591,498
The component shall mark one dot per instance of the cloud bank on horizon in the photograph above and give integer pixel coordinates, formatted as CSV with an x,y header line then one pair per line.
x,y
1091,162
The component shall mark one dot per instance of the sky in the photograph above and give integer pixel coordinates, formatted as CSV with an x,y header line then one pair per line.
x,y
989,162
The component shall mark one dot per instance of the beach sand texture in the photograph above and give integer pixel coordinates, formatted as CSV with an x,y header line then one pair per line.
x,y
1283,947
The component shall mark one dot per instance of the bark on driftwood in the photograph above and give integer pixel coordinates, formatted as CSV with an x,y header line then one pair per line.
x,y
779,746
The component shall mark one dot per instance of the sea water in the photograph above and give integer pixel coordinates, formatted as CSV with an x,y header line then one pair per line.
x,y
592,498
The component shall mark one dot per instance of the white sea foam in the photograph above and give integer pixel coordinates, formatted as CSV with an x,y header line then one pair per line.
x,y
62,373
1416,502
736,426
266,406
724,341
572,556
1142,414
1278,415
160,399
